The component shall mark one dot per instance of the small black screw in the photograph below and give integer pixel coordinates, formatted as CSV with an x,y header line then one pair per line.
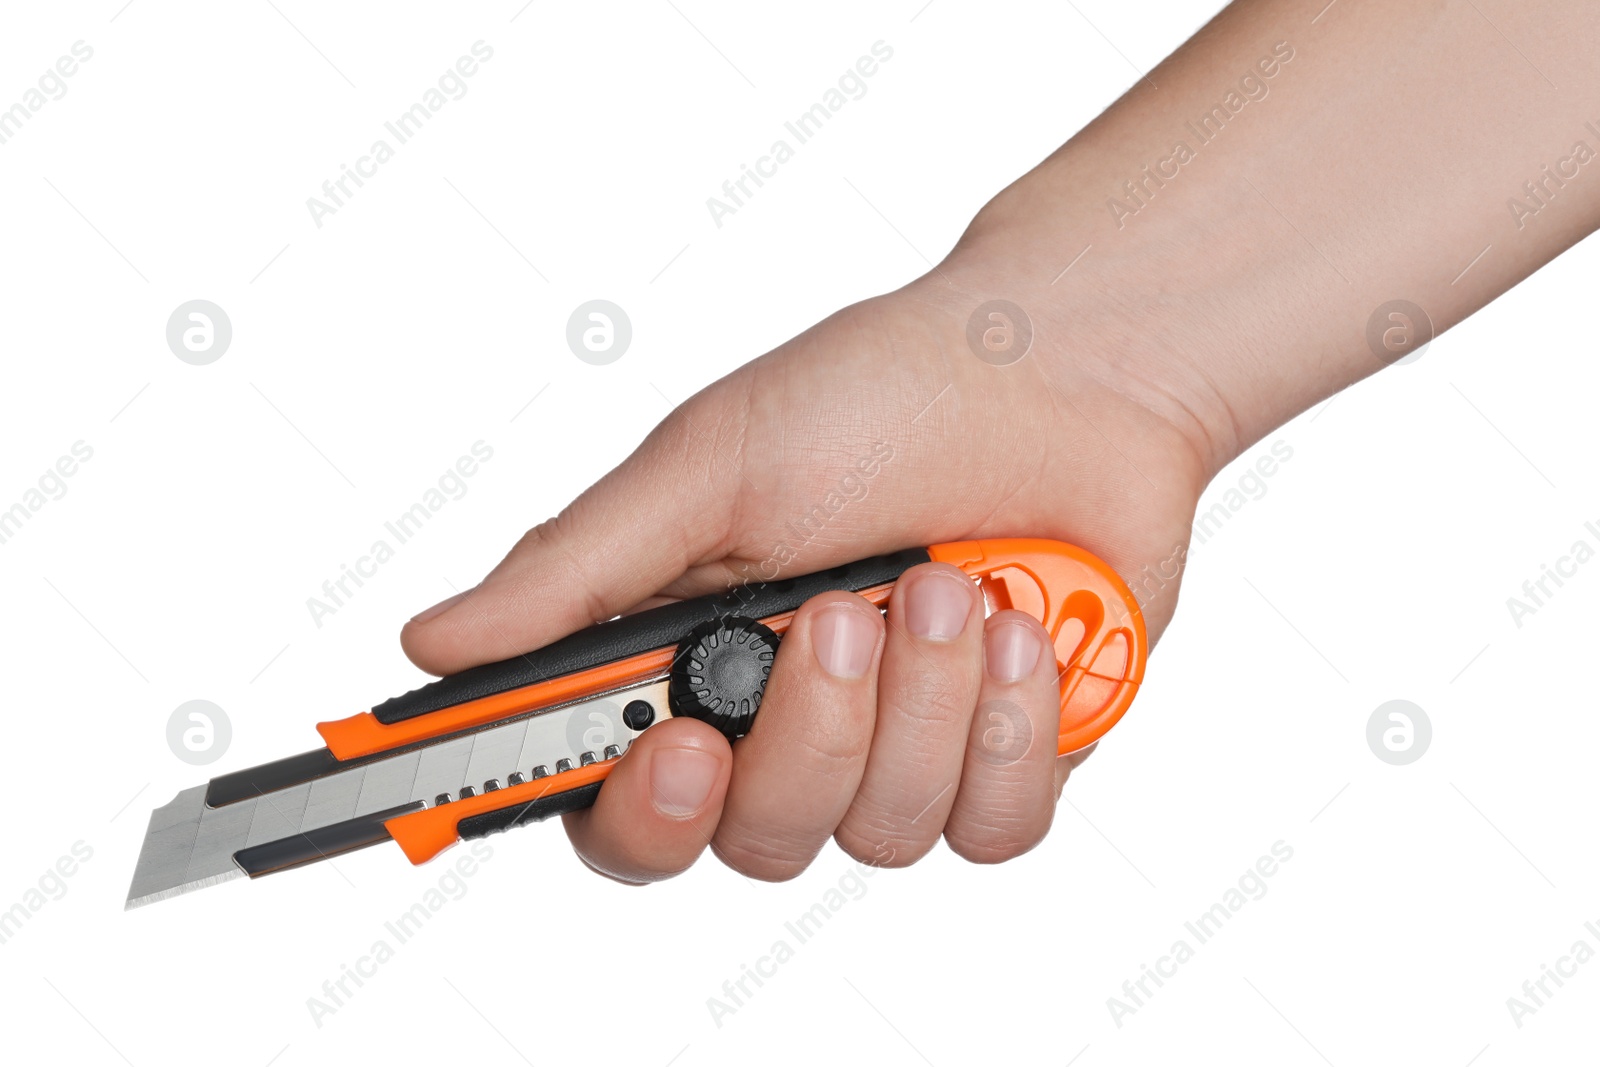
x,y
638,714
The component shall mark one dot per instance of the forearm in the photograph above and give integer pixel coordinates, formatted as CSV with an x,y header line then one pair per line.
x,y
1238,245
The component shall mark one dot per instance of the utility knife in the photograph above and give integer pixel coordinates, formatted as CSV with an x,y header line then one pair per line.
x,y
516,742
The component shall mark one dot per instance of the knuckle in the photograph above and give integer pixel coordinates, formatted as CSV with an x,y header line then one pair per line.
x,y
993,838
831,751
933,702
882,842
703,438
552,543
761,856
986,854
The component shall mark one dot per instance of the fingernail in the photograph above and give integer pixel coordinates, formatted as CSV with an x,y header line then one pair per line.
x,y
1011,651
843,639
937,605
681,779
441,607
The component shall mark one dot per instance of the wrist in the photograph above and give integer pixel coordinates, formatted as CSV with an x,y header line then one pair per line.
x,y
1109,313
1205,309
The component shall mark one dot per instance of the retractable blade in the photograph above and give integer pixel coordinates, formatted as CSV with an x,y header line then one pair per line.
x,y
251,823
519,741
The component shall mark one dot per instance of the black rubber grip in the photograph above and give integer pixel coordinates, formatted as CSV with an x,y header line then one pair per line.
x,y
661,627
323,843
282,773
502,819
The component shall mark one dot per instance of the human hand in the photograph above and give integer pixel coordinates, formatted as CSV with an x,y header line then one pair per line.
x,y
1204,307
876,430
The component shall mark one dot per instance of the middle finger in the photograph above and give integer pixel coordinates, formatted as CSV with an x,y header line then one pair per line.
x,y
927,687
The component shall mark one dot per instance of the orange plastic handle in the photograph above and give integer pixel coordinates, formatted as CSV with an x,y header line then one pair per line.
x,y
1088,611
1091,616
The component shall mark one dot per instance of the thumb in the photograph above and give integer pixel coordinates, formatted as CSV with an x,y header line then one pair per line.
x,y
662,510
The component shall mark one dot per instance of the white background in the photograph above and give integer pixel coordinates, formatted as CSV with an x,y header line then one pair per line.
x,y
370,353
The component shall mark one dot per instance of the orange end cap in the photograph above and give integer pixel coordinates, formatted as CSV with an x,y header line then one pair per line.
x,y
1089,612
